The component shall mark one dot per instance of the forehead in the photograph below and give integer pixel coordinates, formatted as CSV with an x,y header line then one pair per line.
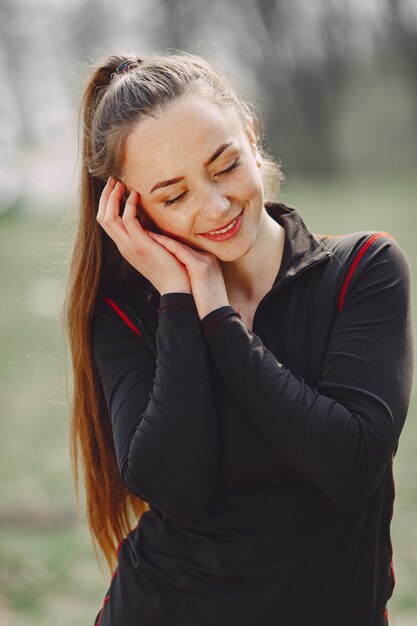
x,y
186,134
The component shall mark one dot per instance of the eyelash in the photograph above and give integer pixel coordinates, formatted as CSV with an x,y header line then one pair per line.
x,y
234,165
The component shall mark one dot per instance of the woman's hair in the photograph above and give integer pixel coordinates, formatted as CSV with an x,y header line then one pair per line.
x,y
113,103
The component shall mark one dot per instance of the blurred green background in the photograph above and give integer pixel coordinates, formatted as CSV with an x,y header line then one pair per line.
x,y
336,86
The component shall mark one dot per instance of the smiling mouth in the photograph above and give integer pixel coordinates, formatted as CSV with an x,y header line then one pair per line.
x,y
223,229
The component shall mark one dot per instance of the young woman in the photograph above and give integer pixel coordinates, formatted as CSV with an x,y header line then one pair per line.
x,y
240,384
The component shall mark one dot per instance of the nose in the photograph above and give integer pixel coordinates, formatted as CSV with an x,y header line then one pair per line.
x,y
214,208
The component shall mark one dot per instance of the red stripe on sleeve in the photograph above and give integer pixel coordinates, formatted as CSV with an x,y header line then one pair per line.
x,y
123,316
355,263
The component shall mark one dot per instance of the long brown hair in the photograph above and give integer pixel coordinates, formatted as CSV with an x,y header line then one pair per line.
x,y
113,103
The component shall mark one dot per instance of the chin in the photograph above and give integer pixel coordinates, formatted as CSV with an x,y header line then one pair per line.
x,y
229,255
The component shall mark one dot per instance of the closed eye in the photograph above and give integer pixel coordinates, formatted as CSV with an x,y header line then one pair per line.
x,y
229,169
234,165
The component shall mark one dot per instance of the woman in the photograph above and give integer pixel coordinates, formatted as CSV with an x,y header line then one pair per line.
x,y
240,384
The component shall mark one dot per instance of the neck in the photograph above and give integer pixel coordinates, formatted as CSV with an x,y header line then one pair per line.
x,y
254,272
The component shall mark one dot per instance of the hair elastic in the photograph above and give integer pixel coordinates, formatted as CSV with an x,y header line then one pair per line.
x,y
125,66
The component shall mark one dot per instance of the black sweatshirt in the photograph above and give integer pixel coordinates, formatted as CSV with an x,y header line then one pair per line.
x,y
266,457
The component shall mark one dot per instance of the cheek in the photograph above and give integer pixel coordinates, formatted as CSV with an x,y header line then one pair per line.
x,y
249,181
157,221
147,222
175,225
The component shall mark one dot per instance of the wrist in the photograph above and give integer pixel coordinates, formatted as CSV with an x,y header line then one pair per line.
x,y
203,311
175,289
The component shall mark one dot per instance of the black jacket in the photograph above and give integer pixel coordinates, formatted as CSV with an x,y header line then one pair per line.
x,y
266,457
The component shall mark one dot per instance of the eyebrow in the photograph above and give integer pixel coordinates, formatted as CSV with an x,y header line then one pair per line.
x,y
213,157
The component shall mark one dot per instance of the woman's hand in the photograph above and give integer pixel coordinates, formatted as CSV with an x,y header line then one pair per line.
x,y
204,271
153,261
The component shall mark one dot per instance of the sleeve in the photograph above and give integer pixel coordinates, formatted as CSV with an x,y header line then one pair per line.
x,y
342,434
162,409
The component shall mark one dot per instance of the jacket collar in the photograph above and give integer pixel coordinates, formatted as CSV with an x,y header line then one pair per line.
x,y
301,247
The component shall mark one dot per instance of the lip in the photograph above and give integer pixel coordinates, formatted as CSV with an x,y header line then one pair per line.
x,y
230,233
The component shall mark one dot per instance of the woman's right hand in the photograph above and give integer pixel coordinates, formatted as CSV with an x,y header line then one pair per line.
x,y
134,243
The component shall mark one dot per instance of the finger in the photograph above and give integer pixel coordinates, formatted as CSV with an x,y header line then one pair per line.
x,y
104,198
184,253
112,218
111,221
129,218
113,204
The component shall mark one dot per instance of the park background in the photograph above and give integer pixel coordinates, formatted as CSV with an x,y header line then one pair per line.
x,y
336,85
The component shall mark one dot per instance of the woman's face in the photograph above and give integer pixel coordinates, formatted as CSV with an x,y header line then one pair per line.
x,y
197,170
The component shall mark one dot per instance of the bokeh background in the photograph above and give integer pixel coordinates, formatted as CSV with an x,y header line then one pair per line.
x,y
335,82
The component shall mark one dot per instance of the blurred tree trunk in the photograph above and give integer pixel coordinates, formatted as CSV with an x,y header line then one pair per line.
x,y
404,37
301,98
179,23
13,55
89,26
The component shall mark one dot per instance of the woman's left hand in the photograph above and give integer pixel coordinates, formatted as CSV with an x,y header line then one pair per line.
x,y
206,278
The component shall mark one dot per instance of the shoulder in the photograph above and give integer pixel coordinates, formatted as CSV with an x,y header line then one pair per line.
x,y
365,258
120,313
366,246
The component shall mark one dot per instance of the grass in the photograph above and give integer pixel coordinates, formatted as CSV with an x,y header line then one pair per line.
x,y
48,573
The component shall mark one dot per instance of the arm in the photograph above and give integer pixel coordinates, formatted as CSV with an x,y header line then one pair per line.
x,y
341,435
163,417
